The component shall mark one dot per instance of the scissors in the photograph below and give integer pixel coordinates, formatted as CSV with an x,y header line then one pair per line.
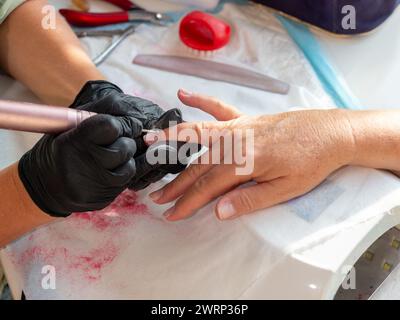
x,y
130,12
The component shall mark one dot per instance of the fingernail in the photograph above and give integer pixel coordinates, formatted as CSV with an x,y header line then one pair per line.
x,y
226,210
156,195
185,93
150,138
169,212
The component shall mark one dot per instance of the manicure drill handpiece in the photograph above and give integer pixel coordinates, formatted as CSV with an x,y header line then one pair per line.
x,y
22,116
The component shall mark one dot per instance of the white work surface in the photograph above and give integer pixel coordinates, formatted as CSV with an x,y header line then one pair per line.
x,y
371,66
370,63
294,250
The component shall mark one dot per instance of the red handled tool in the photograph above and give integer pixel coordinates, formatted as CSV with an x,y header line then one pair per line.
x,y
130,12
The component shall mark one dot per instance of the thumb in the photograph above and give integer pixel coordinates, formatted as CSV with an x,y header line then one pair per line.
x,y
249,199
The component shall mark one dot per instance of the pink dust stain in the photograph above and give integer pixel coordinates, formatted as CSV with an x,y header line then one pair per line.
x,y
37,253
92,264
88,264
117,214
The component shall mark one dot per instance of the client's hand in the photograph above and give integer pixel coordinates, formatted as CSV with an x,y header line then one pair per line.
x,y
292,153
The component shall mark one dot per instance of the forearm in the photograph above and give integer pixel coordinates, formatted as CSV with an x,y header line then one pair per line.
x,y
18,213
376,137
51,62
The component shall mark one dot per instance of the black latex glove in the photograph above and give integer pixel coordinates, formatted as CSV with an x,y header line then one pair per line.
x,y
86,168
82,169
113,101
149,114
149,173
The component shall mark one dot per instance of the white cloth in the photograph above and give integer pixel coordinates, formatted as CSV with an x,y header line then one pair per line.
x,y
294,250
8,6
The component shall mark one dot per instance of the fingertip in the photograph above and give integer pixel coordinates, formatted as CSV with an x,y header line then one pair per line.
x,y
127,147
131,169
174,218
127,171
156,196
169,215
184,94
171,218
150,138
225,209
174,214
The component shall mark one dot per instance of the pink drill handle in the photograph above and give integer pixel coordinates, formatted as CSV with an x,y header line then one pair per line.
x,y
31,117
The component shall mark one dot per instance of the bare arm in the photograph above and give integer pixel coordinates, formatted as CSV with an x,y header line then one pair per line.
x,y
18,213
377,138
51,62
54,66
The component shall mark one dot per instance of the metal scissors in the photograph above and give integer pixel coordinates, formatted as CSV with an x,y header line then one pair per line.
x,y
130,12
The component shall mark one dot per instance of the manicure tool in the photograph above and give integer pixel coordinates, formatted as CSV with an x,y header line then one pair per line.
x,y
30,117
87,19
213,71
122,32
102,56
100,31
130,13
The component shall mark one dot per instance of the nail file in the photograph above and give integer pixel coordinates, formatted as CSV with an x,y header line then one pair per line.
x,y
213,71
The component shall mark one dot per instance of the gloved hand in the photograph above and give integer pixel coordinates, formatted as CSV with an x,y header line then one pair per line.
x,y
149,114
105,97
150,173
82,169
86,168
